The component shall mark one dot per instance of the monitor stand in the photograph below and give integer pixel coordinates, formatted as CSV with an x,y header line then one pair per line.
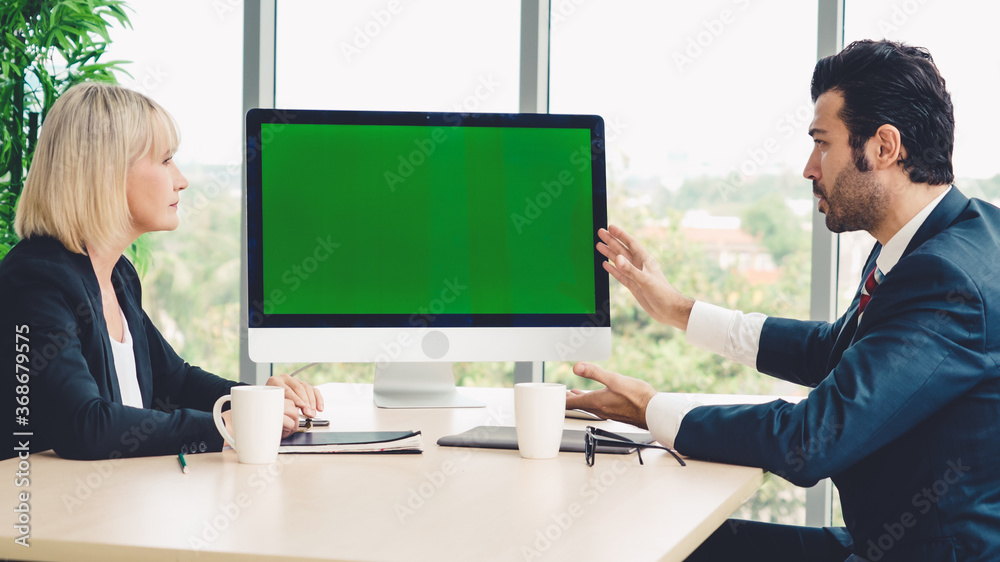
x,y
419,385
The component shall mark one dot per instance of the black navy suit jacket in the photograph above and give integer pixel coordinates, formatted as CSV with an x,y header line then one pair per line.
x,y
74,405
904,414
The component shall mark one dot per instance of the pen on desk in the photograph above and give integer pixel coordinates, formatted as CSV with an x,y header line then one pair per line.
x,y
184,464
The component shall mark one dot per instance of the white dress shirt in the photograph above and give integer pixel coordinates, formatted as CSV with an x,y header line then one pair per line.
x,y
736,336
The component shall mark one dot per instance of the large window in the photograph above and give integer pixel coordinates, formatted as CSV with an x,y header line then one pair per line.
x,y
395,55
706,107
187,55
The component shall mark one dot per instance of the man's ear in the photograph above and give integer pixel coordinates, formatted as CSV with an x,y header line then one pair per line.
x,y
888,145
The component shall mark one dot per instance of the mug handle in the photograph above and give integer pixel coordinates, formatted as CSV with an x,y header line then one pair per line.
x,y
217,416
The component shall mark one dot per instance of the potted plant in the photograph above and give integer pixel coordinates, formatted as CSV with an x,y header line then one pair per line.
x,y
47,46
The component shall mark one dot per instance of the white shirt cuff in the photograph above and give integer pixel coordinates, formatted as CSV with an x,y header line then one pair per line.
x,y
664,414
708,327
729,333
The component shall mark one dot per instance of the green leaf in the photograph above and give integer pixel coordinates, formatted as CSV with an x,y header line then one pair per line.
x,y
117,11
140,253
95,67
64,43
102,30
14,42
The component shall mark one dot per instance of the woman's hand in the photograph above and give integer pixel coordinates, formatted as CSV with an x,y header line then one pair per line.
x,y
290,422
299,396
636,268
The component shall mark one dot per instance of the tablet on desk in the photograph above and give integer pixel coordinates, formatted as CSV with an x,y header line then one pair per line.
x,y
503,437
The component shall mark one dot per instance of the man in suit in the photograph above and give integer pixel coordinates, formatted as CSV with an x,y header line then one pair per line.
x,y
905,400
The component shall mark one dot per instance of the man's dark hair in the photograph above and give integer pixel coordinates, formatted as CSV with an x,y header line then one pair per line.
x,y
884,82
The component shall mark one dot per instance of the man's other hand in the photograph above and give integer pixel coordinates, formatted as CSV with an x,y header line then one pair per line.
x,y
623,399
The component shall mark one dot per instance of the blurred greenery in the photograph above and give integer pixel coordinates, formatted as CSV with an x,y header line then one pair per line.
x,y
987,189
723,197
779,229
192,289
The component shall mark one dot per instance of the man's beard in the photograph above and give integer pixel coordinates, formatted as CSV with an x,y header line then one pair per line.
x,y
857,202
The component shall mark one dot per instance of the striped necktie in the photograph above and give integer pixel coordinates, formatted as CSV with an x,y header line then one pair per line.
x,y
871,283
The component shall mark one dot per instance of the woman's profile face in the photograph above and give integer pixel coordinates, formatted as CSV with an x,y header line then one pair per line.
x,y
152,186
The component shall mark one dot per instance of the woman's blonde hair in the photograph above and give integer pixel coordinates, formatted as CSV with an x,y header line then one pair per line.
x,y
75,190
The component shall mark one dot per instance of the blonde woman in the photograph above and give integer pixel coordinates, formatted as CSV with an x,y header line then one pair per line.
x,y
86,368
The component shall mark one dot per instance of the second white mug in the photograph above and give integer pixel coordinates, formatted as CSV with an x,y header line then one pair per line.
x,y
539,413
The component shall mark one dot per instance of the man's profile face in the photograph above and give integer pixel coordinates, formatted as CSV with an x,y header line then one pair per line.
x,y
850,199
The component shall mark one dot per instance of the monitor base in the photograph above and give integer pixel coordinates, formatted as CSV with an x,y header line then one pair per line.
x,y
419,385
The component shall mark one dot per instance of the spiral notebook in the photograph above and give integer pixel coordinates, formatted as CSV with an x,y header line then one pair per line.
x,y
352,442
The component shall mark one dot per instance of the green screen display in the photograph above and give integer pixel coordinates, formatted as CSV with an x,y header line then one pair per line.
x,y
387,219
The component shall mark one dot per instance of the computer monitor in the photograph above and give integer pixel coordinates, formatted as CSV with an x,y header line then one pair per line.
x,y
414,240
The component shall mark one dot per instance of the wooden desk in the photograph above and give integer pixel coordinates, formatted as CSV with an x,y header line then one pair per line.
x,y
445,504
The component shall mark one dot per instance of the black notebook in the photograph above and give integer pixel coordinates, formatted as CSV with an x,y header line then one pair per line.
x,y
502,437
352,442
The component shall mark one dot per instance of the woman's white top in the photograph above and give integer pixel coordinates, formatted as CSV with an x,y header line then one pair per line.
x,y
128,380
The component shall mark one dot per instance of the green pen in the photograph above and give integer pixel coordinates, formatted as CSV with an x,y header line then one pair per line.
x,y
184,464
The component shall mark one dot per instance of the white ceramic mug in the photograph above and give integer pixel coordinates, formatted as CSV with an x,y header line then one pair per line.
x,y
539,412
258,412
